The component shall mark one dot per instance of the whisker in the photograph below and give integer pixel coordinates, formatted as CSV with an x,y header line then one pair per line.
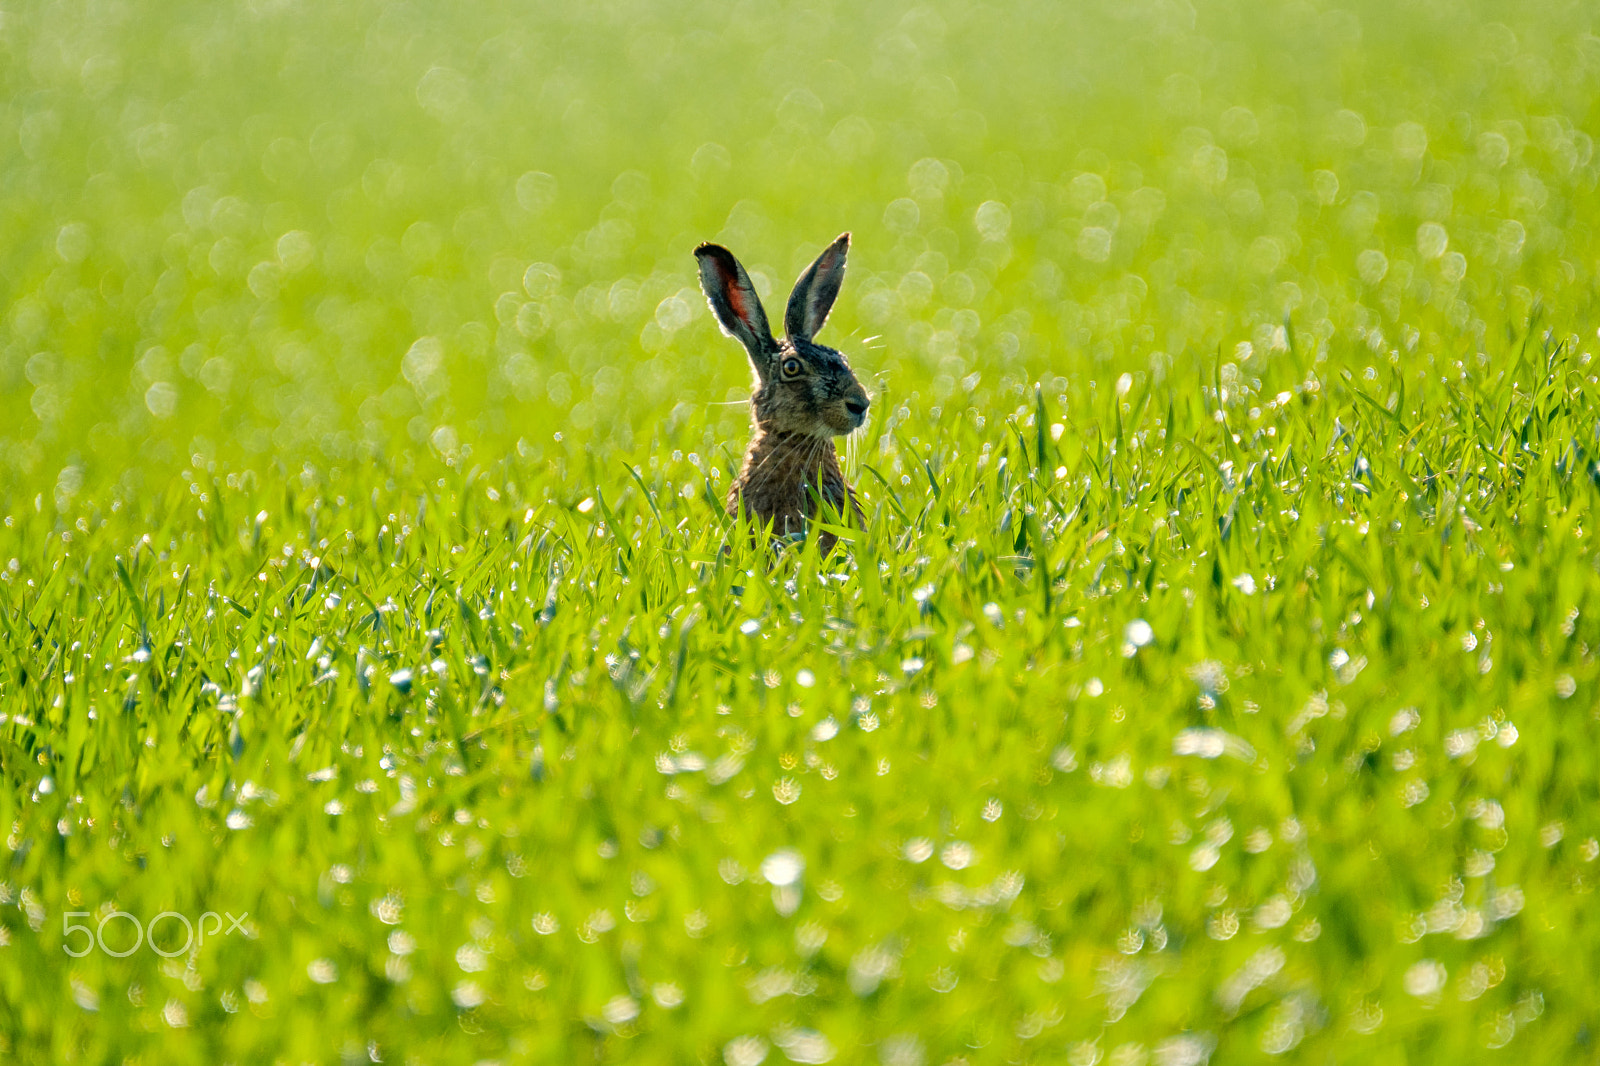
x,y
763,461
814,462
785,447
810,479
806,471
806,483
806,474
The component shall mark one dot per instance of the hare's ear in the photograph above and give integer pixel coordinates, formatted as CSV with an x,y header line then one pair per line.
x,y
735,303
815,292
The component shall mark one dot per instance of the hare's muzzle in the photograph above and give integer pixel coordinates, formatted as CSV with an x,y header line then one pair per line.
x,y
856,403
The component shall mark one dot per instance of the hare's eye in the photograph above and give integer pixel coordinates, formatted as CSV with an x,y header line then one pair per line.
x,y
791,367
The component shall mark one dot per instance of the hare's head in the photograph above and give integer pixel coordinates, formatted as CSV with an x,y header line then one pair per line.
x,y
801,386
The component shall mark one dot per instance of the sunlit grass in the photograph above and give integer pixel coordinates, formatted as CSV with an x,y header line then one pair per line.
x,y
1215,677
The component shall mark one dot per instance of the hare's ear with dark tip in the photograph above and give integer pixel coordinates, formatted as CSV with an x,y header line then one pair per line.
x,y
735,303
815,292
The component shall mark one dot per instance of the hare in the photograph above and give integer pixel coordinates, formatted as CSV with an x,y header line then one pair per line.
x,y
805,394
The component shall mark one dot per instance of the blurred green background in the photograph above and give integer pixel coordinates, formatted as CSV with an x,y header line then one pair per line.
x,y
329,231
1216,676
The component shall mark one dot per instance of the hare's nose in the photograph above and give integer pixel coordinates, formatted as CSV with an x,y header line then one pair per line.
x,y
856,407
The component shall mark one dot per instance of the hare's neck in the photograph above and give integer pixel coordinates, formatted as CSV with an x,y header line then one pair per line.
x,y
790,457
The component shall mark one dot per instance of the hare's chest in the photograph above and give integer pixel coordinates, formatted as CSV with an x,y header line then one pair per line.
x,y
784,491
788,506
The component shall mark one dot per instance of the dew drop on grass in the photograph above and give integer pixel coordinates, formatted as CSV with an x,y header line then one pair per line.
x,y
1206,743
745,1051
783,868
805,1046
620,1010
1425,979
958,855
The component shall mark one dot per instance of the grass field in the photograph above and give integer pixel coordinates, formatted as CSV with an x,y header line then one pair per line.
x,y
381,680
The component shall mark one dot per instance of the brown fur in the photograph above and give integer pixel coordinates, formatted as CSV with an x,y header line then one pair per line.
x,y
783,475
805,395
